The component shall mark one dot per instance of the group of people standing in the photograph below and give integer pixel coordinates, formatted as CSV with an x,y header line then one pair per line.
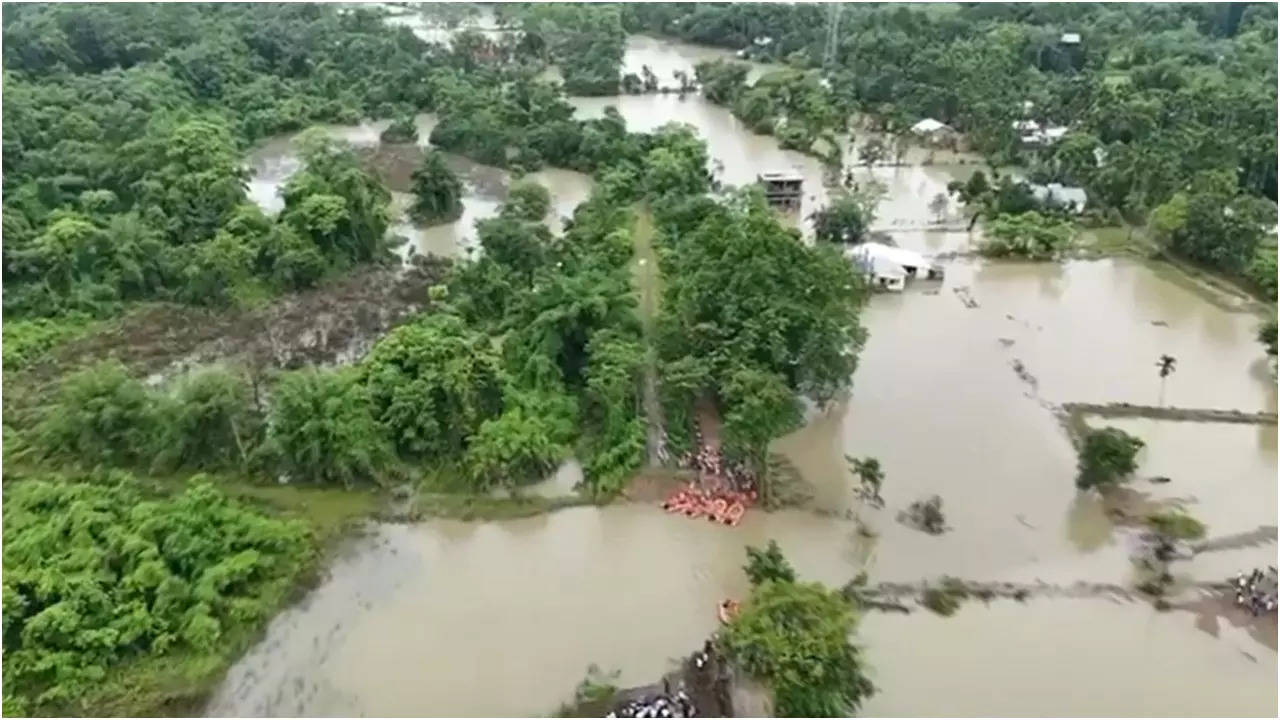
x,y
714,470
1257,590
661,705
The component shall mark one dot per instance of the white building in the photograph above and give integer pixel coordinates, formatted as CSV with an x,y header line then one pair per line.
x,y
888,268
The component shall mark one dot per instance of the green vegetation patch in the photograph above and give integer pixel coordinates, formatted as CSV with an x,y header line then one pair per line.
x,y
1177,524
105,585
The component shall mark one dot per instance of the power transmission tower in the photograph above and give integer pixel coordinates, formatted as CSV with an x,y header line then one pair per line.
x,y
833,35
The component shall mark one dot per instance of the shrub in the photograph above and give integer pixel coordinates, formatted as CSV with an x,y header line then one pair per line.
x,y
401,130
97,575
528,200
208,424
1106,457
1176,524
101,416
768,564
27,340
322,428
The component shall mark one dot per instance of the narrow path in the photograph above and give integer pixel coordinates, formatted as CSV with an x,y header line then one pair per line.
x,y
1114,410
648,283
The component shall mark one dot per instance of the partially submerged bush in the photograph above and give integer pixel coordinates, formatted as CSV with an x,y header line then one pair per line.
x,y
941,601
1107,457
1176,524
768,564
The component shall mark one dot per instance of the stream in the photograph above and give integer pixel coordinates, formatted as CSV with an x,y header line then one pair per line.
x,y
446,618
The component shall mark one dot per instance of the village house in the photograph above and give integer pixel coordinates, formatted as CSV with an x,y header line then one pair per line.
x,y
889,268
934,132
782,188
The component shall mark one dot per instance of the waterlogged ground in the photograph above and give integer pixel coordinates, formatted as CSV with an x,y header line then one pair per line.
x,y
503,618
1064,658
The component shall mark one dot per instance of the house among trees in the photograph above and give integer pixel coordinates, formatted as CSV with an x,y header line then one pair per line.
x,y
934,132
1057,195
888,268
782,189
1032,135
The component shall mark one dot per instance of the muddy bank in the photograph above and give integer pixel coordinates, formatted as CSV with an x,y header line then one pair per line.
x,y
334,323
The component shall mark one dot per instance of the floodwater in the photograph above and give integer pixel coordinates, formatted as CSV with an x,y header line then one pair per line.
x,y
737,154
665,58
503,618
1084,658
485,187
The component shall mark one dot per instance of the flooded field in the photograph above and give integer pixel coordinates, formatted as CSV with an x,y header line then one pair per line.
x,y
484,187
503,618
1064,658
475,619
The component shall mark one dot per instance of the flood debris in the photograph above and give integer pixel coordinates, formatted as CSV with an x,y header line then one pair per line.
x,y
925,515
1025,375
966,298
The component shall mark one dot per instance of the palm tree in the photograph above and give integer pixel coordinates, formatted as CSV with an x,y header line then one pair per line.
x,y
1167,364
871,478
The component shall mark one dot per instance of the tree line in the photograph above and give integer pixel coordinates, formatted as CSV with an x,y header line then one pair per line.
x,y
1170,109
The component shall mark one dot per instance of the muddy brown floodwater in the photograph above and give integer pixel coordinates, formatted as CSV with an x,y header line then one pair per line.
x,y
503,618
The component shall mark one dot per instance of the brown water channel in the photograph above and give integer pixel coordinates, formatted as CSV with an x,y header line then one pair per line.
x,y
503,618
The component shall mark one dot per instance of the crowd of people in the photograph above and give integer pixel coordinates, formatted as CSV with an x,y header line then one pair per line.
x,y
715,472
660,705
1256,591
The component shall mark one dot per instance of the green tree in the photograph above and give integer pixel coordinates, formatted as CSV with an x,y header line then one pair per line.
x,y
796,637
847,219
1029,235
760,407
870,478
1106,457
528,200
1267,336
401,130
321,429
437,191
518,447
432,383
741,290
768,565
